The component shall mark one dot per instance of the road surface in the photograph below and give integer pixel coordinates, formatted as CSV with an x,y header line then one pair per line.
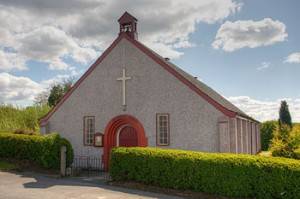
x,y
37,186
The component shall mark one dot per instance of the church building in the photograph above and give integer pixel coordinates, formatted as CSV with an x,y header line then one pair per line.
x,y
131,96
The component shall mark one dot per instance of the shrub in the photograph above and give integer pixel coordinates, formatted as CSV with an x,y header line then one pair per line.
x,y
297,153
295,136
285,141
43,150
222,174
281,149
267,131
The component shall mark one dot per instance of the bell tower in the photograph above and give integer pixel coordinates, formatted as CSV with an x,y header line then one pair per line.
x,y
128,25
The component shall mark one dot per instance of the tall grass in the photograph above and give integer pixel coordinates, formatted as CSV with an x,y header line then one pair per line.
x,y
13,117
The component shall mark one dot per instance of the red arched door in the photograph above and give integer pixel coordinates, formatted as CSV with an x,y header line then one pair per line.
x,y
128,137
112,132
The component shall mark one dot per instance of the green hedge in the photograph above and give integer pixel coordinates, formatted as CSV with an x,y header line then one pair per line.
x,y
221,174
43,150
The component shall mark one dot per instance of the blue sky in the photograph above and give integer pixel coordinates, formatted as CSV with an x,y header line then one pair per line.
x,y
236,73
247,50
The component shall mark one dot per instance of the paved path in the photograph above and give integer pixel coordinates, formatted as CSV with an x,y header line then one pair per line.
x,y
36,186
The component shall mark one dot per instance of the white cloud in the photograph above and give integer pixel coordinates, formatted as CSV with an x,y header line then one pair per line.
x,y
293,58
73,74
11,61
263,110
50,44
22,90
58,30
232,36
166,50
58,64
50,30
263,66
15,89
46,7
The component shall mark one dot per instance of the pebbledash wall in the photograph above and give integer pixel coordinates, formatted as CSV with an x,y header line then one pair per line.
x,y
194,123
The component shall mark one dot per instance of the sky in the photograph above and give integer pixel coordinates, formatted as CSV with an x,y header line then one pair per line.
x,y
247,50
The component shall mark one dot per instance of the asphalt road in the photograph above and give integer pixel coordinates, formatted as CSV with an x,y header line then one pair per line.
x,y
37,186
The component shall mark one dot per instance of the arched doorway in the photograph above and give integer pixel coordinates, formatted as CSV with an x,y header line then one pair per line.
x,y
122,130
127,137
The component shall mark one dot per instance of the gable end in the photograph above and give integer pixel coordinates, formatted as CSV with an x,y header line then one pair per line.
x,y
157,59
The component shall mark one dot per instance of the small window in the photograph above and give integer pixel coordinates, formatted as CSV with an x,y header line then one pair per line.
x,y
162,129
89,129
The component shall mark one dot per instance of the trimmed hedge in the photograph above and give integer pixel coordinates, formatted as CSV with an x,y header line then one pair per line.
x,y
43,150
221,174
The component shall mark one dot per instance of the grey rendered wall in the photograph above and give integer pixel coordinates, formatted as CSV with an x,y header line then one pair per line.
x,y
193,121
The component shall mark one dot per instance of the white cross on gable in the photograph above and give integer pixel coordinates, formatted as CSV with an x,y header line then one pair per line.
x,y
123,79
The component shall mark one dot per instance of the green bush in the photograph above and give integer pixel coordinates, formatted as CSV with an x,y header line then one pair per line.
x,y
281,149
267,132
221,174
285,141
297,153
43,150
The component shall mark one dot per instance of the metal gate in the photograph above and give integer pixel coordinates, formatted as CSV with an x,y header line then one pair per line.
x,y
87,166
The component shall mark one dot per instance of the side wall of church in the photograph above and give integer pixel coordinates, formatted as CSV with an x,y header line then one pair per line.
x,y
247,135
239,135
151,90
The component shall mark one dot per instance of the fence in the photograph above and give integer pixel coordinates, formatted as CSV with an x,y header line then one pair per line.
x,y
87,165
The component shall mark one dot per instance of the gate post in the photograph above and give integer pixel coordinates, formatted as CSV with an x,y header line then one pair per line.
x,y
63,161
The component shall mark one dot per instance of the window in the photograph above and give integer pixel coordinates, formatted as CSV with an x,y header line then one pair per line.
x,y
89,129
162,129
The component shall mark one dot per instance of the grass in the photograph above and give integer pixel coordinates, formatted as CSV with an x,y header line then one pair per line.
x,y
13,117
6,166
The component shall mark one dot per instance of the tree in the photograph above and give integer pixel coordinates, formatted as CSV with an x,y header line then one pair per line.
x,y
284,114
56,93
267,133
41,99
58,90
